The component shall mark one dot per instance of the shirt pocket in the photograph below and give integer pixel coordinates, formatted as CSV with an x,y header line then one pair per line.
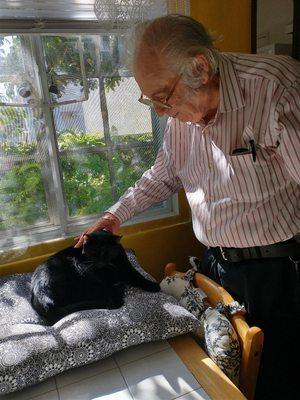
x,y
247,180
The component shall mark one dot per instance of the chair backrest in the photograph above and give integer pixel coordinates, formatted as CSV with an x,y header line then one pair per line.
x,y
250,338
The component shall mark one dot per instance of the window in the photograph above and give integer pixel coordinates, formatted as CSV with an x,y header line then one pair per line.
x,y
73,136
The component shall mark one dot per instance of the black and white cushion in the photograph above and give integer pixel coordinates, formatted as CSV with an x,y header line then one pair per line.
x,y
31,351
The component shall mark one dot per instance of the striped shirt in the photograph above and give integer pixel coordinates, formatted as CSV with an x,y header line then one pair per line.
x,y
234,201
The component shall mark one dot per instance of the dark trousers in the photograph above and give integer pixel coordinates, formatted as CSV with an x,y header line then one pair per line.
x,y
269,289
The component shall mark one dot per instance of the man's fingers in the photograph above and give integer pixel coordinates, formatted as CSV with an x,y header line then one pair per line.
x,y
79,243
81,240
106,225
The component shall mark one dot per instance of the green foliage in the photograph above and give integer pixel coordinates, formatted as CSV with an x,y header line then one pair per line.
x,y
130,164
73,139
136,138
112,83
7,148
22,196
63,62
12,115
86,176
86,183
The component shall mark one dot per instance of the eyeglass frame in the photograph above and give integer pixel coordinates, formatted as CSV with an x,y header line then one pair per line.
x,y
152,103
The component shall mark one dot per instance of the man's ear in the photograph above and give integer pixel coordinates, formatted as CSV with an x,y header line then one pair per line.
x,y
202,68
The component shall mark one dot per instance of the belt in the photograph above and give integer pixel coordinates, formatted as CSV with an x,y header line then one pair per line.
x,y
289,248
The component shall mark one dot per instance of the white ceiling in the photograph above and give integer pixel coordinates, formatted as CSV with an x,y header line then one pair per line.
x,y
47,9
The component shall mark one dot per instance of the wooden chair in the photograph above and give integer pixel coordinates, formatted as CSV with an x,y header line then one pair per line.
x,y
250,338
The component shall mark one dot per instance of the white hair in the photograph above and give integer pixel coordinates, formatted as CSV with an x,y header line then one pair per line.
x,y
178,39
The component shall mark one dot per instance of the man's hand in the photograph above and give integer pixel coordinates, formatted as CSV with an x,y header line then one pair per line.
x,y
107,222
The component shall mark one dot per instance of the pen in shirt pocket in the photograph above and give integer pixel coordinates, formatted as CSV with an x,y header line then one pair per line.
x,y
251,149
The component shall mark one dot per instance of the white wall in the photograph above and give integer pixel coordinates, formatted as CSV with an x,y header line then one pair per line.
x,y
124,110
272,18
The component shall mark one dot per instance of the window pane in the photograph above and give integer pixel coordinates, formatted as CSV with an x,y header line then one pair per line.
x,y
105,143
126,115
130,163
117,130
16,76
22,193
64,68
87,185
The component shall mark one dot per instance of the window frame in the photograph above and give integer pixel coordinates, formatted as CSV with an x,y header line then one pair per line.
x,y
60,225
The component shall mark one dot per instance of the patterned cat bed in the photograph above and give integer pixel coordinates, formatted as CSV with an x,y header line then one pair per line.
x,y
31,351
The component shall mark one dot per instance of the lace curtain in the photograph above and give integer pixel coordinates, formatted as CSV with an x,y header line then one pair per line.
x,y
124,13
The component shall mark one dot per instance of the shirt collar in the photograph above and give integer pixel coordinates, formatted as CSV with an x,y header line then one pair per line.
x,y
231,95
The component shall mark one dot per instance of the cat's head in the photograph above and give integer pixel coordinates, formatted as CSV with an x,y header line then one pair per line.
x,y
103,246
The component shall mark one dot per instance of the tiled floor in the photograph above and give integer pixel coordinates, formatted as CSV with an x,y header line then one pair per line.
x,y
150,371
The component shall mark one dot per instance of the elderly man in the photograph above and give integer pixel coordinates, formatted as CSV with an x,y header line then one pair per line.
x,y
233,143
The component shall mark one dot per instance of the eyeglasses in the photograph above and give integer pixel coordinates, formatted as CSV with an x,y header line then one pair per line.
x,y
156,103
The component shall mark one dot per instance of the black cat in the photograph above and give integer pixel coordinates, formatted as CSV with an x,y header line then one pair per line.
x,y
77,279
